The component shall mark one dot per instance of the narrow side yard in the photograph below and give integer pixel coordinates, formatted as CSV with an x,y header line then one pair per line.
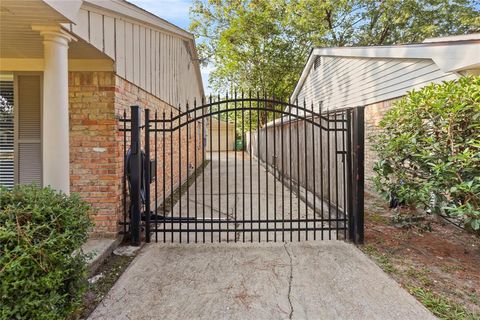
x,y
436,262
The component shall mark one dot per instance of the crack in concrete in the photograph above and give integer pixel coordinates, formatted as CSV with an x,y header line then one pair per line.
x,y
290,280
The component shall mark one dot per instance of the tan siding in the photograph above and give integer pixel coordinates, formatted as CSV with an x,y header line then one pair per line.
x,y
96,30
156,60
136,54
120,47
129,51
109,36
82,25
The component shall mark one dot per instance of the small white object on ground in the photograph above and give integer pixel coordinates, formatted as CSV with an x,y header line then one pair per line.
x,y
127,251
94,279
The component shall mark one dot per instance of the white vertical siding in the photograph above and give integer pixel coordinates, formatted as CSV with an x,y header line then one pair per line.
x,y
341,82
156,60
109,36
120,45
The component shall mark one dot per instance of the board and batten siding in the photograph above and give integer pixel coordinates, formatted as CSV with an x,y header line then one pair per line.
x,y
158,61
344,82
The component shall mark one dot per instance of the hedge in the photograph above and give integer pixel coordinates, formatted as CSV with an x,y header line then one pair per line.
x,y
429,150
42,269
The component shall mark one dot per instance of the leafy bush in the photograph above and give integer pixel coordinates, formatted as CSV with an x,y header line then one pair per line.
x,y
429,150
42,270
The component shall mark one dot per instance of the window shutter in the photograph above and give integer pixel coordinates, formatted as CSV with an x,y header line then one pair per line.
x,y
7,170
29,150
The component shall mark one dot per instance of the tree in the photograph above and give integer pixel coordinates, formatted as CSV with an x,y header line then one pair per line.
x,y
262,45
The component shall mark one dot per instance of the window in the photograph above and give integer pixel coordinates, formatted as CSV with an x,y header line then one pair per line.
x,y
20,129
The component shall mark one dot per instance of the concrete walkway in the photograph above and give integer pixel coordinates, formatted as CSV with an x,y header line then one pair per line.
x,y
234,187
302,280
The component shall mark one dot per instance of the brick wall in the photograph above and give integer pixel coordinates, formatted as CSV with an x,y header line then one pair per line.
x,y
373,114
127,94
97,101
92,145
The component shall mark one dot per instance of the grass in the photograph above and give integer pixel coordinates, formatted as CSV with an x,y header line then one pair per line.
x,y
382,259
419,281
440,306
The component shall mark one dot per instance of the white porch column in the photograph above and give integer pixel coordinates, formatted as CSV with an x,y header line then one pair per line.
x,y
55,119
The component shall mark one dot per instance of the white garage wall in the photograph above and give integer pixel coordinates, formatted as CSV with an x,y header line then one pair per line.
x,y
342,82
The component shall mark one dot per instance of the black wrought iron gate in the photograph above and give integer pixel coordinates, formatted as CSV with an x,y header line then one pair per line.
x,y
243,169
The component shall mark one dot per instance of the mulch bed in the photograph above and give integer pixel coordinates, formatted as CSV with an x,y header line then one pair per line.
x,y
435,261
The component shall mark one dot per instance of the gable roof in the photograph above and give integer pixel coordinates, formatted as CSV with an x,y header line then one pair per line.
x,y
450,54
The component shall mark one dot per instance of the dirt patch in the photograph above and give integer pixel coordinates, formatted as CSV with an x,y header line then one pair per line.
x,y
102,281
436,261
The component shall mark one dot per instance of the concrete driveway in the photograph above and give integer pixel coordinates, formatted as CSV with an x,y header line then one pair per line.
x,y
234,187
301,280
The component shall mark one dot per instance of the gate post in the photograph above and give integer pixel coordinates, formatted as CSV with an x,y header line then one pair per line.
x,y
135,176
358,169
351,228
147,175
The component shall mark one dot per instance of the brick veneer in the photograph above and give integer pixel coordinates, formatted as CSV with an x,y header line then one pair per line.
x,y
373,114
97,101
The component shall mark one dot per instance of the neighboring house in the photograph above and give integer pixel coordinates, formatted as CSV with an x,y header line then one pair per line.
x,y
373,77
68,71
220,132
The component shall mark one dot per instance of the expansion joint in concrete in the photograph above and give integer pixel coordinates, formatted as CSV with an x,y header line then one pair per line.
x,y
290,280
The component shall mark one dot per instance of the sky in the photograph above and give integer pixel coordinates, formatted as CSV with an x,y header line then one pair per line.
x,y
176,12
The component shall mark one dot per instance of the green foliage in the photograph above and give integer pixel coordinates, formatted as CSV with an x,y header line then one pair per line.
x,y
262,45
440,306
42,269
429,150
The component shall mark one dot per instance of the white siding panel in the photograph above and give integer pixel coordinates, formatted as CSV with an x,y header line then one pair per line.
x,y
109,36
148,60
349,82
355,83
120,47
136,54
401,90
402,86
142,52
129,51
321,80
156,58
96,30
82,26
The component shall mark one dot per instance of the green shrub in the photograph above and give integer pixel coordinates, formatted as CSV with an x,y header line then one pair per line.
x,y
429,150
42,270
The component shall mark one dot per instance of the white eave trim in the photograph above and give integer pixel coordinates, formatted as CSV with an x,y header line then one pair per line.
x,y
448,56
